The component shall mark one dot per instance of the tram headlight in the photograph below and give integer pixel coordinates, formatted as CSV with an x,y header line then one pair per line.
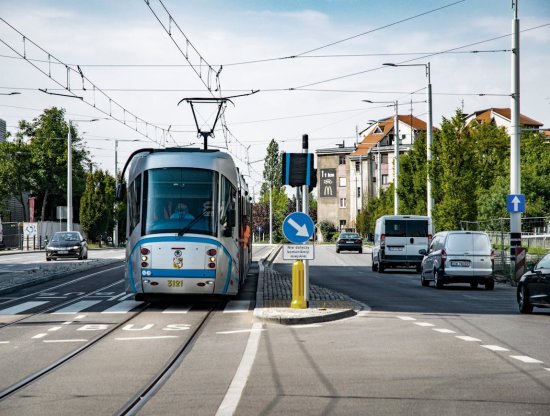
x,y
212,259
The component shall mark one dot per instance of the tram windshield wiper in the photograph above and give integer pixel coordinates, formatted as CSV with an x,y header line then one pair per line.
x,y
193,222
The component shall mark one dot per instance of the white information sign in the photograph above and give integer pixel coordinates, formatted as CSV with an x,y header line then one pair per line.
x,y
298,252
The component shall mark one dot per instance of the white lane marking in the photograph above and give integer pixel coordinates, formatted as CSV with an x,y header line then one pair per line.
x,y
547,369
65,340
76,307
526,359
14,310
235,390
54,328
129,295
237,306
177,309
141,338
4,342
407,318
467,338
444,330
123,307
495,348
38,336
240,331
423,324
117,296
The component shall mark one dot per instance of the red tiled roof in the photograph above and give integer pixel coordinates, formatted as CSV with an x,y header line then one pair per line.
x,y
486,116
386,125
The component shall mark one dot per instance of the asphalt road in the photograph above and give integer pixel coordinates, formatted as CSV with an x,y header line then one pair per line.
x,y
412,351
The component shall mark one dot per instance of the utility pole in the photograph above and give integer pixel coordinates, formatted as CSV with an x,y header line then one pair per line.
x,y
305,210
115,231
396,161
515,142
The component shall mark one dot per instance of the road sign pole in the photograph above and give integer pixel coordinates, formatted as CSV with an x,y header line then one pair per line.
x,y
305,207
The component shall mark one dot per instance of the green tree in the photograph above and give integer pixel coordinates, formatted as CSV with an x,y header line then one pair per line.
x,y
412,179
454,170
97,205
48,171
272,169
15,165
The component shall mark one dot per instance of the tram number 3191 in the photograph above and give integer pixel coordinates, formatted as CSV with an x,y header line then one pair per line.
x,y
175,283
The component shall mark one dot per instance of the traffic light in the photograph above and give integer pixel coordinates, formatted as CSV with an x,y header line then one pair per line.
x,y
298,169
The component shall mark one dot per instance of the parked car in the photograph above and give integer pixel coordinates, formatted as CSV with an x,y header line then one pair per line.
x,y
67,244
397,240
349,241
534,287
458,257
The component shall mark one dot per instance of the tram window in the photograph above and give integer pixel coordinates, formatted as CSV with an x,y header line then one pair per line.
x,y
134,206
172,187
227,203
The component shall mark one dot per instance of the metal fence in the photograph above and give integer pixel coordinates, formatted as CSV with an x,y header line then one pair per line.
x,y
535,238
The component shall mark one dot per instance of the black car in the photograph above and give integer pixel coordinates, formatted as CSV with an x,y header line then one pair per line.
x,y
350,242
67,244
534,287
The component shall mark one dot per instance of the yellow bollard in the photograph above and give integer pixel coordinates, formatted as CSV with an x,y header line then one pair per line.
x,y
298,292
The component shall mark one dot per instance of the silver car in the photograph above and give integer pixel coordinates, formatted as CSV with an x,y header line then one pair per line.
x,y
458,257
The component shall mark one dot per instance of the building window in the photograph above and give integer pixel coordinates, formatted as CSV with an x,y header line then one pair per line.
x,y
384,179
374,178
342,160
384,158
342,202
357,166
342,224
342,181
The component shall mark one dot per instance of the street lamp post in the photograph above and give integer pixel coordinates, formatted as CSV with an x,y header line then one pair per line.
x,y
429,133
70,175
396,152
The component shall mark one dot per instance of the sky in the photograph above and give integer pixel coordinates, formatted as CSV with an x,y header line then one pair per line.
x,y
288,68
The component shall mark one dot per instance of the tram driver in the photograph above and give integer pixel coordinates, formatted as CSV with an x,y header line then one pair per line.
x,y
182,212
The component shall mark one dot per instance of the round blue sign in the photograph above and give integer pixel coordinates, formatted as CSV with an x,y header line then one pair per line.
x,y
298,227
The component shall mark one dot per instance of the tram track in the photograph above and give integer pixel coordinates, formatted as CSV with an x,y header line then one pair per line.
x,y
140,399
20,385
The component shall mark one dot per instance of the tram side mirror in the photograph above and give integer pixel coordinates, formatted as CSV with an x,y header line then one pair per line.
x,y
229,224
231,221
120,191
422,252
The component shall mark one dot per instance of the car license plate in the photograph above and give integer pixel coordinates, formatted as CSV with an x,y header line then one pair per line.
x,y
62,252
175,283
395,248
349,242
460,263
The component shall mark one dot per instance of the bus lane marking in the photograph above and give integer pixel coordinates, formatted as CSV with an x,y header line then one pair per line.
x,y
76,307
526,359
145,338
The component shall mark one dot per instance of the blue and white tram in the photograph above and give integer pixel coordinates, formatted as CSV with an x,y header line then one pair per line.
x,y
187,214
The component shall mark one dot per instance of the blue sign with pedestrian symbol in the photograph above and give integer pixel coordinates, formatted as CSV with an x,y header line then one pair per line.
x,y
298,227
515,203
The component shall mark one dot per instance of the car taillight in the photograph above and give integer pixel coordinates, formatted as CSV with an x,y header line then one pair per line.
x,y
429,239
443,257
383,240
493,258
358,241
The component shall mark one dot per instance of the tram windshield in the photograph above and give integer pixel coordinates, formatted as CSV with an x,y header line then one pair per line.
x,y
180,199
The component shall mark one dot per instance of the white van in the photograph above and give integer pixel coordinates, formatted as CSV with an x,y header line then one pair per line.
x,y
398,239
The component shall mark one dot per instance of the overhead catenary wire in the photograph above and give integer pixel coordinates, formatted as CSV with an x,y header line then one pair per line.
x,y
92,88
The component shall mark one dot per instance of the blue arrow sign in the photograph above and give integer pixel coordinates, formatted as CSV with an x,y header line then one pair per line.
x,y
298,227
515,203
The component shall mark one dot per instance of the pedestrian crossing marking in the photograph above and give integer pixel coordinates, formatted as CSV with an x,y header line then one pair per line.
x,y
76,307
14,310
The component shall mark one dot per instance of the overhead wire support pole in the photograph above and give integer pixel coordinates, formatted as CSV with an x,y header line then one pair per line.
x,y
515,142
